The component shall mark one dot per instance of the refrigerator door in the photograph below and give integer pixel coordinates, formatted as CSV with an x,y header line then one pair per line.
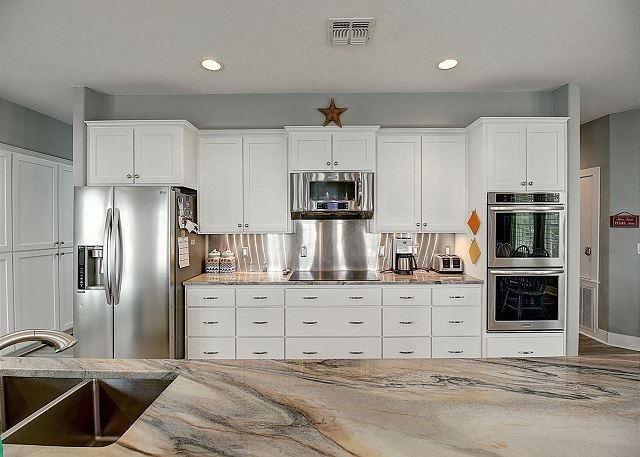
x,y
92,313
142,271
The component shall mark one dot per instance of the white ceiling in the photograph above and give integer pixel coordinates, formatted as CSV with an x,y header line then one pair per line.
x,y
280,46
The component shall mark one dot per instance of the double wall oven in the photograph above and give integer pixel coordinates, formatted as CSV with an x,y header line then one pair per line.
x,y
526,255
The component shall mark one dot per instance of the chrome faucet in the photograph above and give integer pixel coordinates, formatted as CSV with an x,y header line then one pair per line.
x,y
60,341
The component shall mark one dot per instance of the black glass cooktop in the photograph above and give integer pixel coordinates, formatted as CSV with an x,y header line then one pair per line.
x,y
339,275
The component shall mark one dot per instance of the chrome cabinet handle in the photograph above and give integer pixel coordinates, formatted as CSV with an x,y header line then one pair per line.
x,y
55,242
260,352
328,163
210,322
209,298
128,175
456,322
407,298
456,297
455,352
531,183
356,322
406,322
309,352
406,352
309,322
309,298
424,224
417,224
210,352
246,225
61,242
239,225
525,352
260,322
356,298
136,176
523,183
62,253
335,163
261,297
356,352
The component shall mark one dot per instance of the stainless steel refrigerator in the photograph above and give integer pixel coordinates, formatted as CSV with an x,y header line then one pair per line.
x,y
129,299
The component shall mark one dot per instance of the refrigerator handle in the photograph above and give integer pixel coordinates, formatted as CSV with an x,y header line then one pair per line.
x,y
117,257
106,264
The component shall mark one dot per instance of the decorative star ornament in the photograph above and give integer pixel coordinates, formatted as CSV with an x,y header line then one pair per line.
x,y
332,113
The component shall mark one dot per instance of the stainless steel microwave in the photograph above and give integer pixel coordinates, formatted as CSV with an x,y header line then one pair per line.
x,y
332,195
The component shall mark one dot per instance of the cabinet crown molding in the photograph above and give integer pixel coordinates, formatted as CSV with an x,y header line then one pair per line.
x,y
518,120
422,131
143,122
332,128
240,132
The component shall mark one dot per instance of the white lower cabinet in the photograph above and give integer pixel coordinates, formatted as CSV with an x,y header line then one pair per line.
x,y
406,321
406,348
455,346
314,321
211,321
259,322
455,321
211,348
260,348
333,348
541,345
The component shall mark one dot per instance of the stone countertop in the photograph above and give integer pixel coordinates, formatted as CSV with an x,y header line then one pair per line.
x,y
583,406
277,278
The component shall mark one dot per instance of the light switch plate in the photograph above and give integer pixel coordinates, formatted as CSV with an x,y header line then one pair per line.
x,y
381,251
245,251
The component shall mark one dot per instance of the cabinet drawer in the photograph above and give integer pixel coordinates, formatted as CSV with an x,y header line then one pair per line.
x,y
333,297
402,321
260,348
466,296
523,346
201,296
455,321
211,348
406,348
333,348
260,321
455,347
333,321
211,322
260,297
408,296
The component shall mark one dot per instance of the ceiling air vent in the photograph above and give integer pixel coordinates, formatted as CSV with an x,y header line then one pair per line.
x,y
350,31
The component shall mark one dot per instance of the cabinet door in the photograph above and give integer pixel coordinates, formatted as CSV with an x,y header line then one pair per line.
x,y
444,190
507,160
398,184
35,203
310,151
265,184
65,205
5,201
110,156
157,152
353,151
6,298
35,289
546,153
65,286
220,185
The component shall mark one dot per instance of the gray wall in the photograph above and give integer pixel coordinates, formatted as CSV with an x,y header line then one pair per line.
x,y
613,143
277,110
29,129
87,104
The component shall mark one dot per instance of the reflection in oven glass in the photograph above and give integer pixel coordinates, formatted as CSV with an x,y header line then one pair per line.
x,y
526,298
527,234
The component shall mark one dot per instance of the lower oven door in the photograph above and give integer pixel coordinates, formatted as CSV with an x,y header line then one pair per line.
x,y
532,299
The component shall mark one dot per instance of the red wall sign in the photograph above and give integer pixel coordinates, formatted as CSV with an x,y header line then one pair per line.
x,y
624,220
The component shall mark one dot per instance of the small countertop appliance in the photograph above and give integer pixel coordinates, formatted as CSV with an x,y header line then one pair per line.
x,y
446,263
404,262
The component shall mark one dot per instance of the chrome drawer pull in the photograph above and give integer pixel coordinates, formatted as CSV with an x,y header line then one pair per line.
x,y
210,352
309,322
309,352
309,298
355,298
210,322
455,352
406,322
209,298
356,322
260,352
260,322
525,352
356,352
407,298
456,297
406,352
260,298
456,322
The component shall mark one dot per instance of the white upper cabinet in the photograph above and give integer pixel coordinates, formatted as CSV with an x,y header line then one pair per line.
x,y
65,288
332,148
141,153
243,182
398,184
421,181
265,183
5,201
35,203
526,154
65,205
444,183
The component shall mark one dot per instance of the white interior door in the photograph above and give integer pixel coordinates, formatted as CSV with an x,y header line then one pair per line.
x,y
5,201
589,223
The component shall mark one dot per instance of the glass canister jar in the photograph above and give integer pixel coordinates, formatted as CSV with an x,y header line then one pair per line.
x,y
228,262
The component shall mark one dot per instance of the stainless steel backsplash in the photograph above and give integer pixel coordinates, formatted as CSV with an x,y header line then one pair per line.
x,y
330,244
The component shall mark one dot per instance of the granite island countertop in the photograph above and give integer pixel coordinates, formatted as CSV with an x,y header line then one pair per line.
x,y
277,278
584,406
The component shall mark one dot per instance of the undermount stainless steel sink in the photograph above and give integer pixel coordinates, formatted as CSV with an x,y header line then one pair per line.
x,y
73,412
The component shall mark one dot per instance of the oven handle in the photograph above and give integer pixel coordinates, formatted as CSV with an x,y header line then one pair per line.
x,y
518,272
526,209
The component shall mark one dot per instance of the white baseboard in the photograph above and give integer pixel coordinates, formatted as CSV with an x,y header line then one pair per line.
x,y
624,341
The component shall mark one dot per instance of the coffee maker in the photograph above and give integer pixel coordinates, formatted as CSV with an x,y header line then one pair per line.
x,y
404,262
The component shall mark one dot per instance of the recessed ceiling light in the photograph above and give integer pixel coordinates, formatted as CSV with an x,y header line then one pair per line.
x,y
212,65
447,64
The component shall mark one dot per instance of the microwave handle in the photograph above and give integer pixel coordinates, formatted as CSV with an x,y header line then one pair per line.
x,y
527,272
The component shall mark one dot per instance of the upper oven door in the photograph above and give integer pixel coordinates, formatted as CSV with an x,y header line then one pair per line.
x,y
526,236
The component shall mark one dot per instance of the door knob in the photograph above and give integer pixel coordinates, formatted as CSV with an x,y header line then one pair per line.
x,y
587,250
